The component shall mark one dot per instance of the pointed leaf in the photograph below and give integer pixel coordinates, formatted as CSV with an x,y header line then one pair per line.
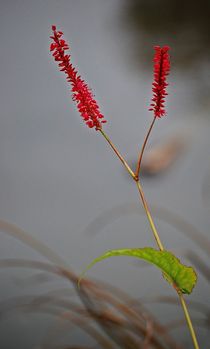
x,y
179,275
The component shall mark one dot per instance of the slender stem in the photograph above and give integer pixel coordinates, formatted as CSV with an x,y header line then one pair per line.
x,y
146,207
157,238
188,319
135,177
118,154
160,245
143,148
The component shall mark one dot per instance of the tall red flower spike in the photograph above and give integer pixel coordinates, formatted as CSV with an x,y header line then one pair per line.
x,y
81,93
161,70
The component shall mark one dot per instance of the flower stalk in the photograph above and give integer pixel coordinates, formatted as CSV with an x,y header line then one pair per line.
x,y
143,148
188,320
89,110
118,154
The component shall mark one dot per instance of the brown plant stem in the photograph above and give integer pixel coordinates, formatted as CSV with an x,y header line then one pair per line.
x,y
160,245
143,148
118,154
188,320
146,207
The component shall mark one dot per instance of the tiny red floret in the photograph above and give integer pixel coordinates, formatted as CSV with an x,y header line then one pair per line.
x,y
161,70
81,93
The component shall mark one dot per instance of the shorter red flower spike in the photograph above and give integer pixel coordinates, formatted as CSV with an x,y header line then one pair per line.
x,y
81,93
161,70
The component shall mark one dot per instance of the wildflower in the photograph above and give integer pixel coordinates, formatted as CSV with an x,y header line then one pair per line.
x,y
81,93
161,70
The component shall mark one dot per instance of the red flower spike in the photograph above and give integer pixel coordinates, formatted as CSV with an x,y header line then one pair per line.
x,y
161,70
81,93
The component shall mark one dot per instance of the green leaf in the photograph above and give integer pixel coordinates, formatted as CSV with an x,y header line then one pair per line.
x,y
179,275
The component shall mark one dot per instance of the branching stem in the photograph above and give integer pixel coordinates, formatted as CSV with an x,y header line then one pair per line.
x,y
135,177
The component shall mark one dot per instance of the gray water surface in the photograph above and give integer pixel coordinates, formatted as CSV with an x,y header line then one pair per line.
x,y
57,176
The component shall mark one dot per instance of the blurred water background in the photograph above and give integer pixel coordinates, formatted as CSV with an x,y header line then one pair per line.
x,y
57,176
